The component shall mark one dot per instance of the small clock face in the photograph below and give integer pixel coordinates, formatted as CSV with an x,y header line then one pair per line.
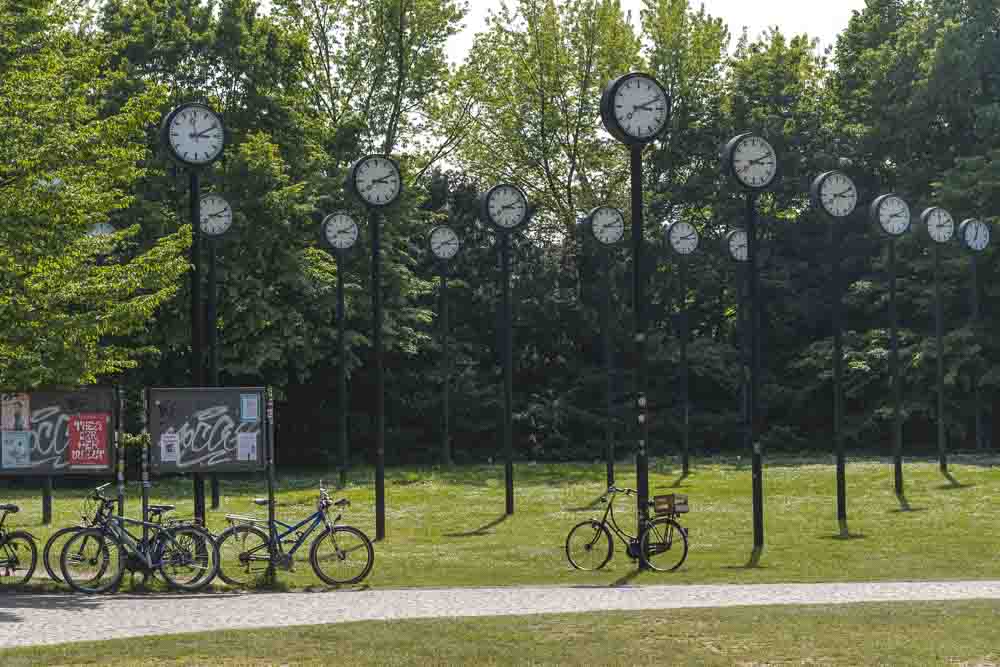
x,y
216,215
377,180
754,162
101,229
340,231
640,107
444,242
892,215
607,225
837,194
506,206
939,224
975,235
682,237
739,248
195,134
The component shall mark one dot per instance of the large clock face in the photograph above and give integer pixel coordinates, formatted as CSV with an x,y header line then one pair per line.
x,y
739,248
640,107
607,225
975,235
216,215
444,242
195,134
753,162
506,206
837,194
682,237
377,180
939,224
340,231
892,215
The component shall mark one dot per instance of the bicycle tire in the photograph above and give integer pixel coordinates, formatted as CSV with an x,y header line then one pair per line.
x,y
233,542
108,546
205,547
13,543
590,544
50,556
314,558
657,541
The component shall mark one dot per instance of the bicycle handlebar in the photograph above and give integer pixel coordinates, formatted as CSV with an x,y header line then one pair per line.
x,y
615,489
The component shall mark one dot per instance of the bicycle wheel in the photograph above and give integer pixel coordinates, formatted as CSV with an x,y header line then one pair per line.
x,y
188,557
588,545
346,552
664,545
18,557
244,557
53,550
93,561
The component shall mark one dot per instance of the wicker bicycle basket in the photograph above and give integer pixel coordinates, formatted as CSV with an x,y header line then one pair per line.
x,y
671,503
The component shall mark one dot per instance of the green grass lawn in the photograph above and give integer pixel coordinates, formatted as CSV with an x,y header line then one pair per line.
x,y
447,527
921,634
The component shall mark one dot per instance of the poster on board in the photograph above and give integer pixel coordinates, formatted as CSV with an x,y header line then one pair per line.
x,y
15,412
88,438
15,450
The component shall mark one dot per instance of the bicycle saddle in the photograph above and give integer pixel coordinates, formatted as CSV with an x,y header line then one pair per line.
x,y
13,509
160,509
260,501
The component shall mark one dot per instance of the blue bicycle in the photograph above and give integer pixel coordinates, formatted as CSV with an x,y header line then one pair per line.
x,y
339,555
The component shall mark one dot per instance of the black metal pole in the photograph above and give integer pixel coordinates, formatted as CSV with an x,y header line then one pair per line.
x,y
897,394
197,378
685,391
638,308
742,278
213,344
373,225
609,433
838,370
119,450
977,395
341,373
508,375
446,359
939,345
47,500
753,386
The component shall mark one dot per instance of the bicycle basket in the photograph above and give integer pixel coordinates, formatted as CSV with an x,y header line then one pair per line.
x,y
671,503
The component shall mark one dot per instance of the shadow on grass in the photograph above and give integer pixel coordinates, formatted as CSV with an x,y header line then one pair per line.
x,y
904,505
753,563
680,480
845,533
952,482
627,578
482,530
594,504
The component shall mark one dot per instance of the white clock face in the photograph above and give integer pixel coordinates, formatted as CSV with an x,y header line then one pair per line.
x,y
683,237
340,231
216,215
894,216
739,248
838,195
640,107
608,225
444,242
940,224
101,229
377,180
754,162
507,206
196,135
976,235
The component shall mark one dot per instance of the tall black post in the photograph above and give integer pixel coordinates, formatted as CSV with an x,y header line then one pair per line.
x,y
341,373
446,360
508,374
897,394
638,308
373,225
213,344
754,373
47,500
609,433
685,391
977,397
939,346
838,370
119,450
197,378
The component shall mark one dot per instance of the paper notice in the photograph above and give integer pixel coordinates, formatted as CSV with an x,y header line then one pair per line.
x,y
249,407
247,446
169,447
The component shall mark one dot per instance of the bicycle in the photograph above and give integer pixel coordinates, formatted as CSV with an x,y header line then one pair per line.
x,y
248,554
18,552
95,559
589,545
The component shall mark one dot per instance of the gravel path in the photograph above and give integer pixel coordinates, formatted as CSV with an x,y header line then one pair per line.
x,y
27,619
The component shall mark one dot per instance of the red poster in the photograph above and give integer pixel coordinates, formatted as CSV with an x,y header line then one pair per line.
x,y
88,439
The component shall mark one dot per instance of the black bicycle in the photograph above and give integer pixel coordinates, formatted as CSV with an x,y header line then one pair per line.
x,y
94,513
18,553
662,545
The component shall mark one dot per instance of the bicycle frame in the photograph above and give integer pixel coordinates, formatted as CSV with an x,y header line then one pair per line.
x,y
622,535
276,539
138,547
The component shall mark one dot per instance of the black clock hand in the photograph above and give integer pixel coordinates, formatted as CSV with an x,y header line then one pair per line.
x,y
645,105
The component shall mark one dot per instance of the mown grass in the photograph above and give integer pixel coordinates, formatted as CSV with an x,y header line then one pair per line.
x,y
447,527
924,634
